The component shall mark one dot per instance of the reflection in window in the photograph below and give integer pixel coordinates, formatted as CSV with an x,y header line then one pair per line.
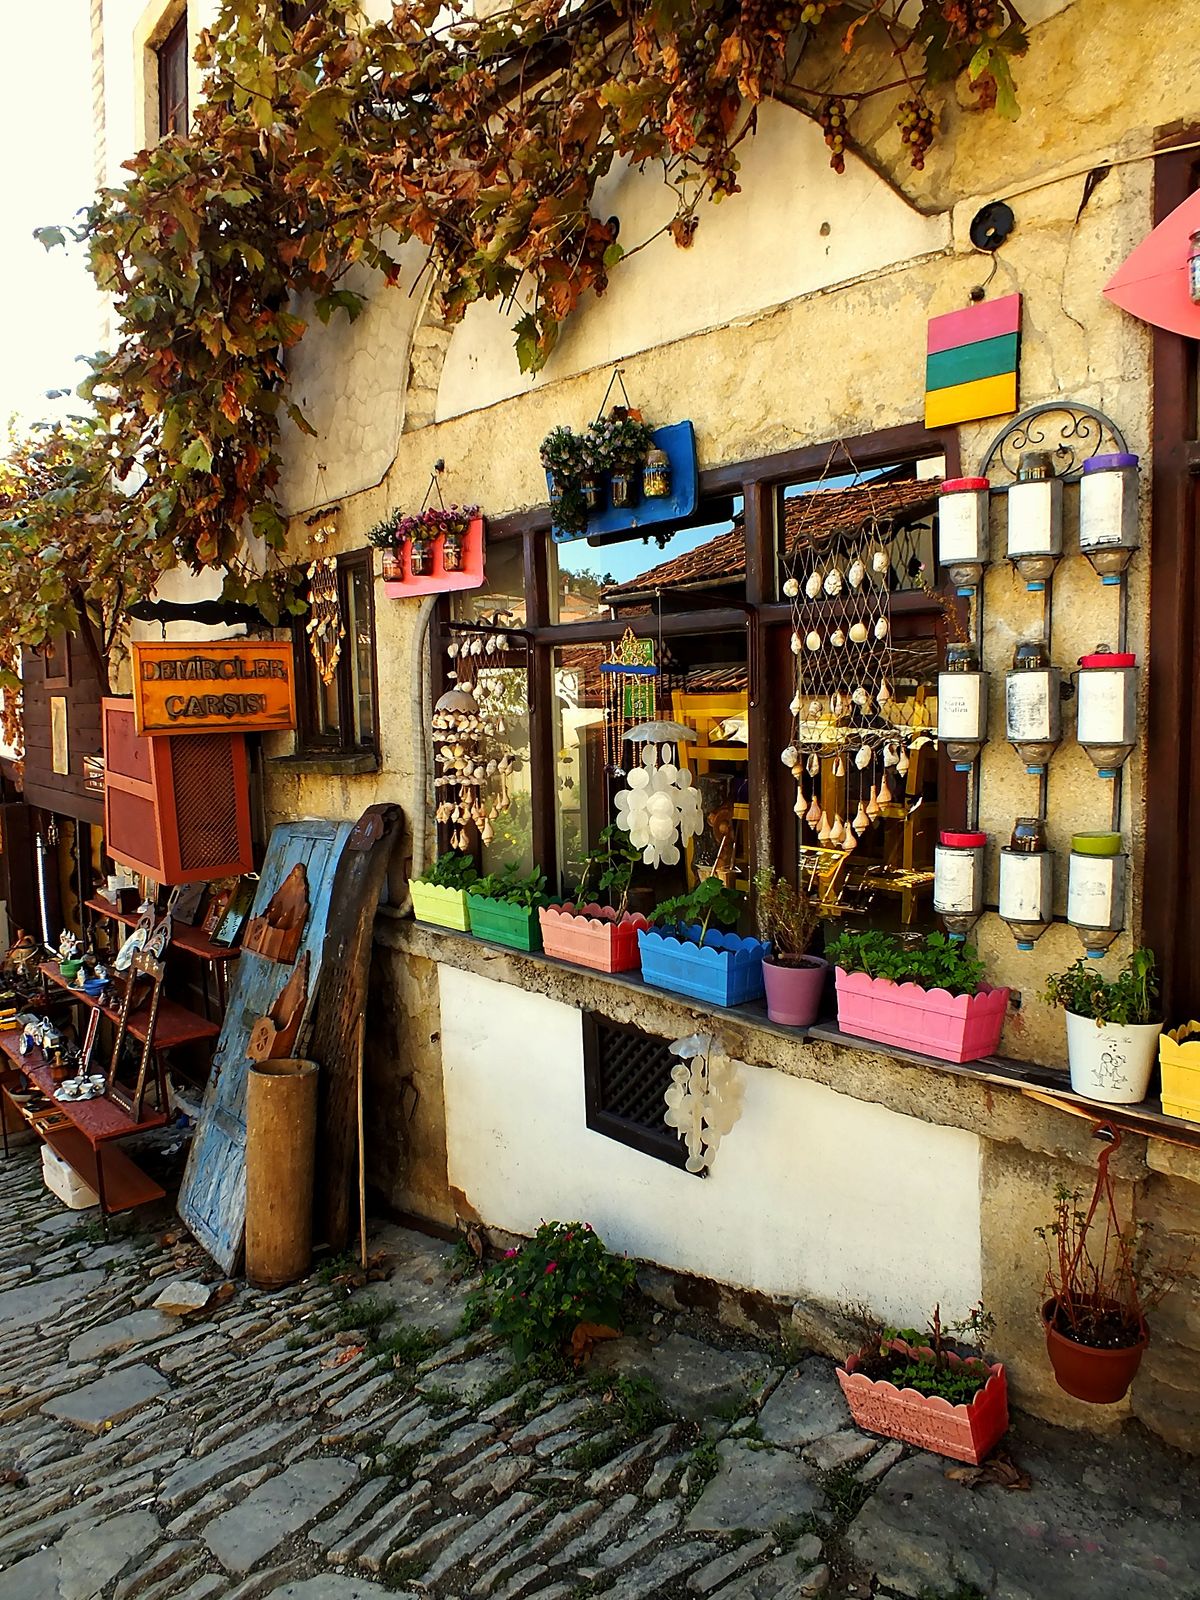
x,y
901,498
503,589
503,696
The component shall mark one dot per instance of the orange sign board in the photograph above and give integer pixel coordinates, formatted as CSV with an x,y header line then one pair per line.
x,y
238,686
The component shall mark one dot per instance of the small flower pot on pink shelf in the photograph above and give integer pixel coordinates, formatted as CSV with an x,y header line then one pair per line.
x,y
952,1027
592,936
964,1432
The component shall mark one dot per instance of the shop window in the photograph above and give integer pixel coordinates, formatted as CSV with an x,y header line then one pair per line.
x,y
503,591
340,717
503,694
901,496
172,59
626,1074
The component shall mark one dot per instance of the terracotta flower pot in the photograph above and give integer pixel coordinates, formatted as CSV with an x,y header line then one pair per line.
x,y
592,936
964,1432
1101,1377
951,1027
794,992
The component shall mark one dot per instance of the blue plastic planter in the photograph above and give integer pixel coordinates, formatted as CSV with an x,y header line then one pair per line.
x,y
725,970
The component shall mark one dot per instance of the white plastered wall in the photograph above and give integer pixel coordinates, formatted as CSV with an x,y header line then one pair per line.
x,y
813,1195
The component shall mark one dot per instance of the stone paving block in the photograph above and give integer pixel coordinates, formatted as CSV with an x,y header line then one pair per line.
x,y
548,1423
34,1302
469,1381
390,1523
755,1490
883,1461
83,1562
785,1578
280,1506
605,1526
839,1450
477,1532
806,1406
696,1380
728,1565
163,1562
108,1399
606,1477
328,1531
123,1333
651,1577
660,1521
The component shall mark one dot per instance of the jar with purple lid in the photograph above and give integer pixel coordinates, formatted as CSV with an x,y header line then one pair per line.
x,y
1108,512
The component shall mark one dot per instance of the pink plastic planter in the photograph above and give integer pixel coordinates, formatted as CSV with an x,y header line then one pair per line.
x,y
967,1433
591,936
951,1027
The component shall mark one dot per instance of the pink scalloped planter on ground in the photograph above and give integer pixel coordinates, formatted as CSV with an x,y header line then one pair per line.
x,y
964,1432
952,1027
591,936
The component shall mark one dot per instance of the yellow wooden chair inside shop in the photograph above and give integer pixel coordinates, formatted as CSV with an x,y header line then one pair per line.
x,y
720,721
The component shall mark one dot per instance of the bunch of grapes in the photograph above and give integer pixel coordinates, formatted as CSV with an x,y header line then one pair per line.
x,y
813,11
833,125
972,20
915,122
587,59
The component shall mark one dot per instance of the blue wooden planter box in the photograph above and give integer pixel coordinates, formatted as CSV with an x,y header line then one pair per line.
x,y
502,923
725,970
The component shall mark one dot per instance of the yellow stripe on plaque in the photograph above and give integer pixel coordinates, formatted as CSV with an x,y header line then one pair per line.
x,y
967,402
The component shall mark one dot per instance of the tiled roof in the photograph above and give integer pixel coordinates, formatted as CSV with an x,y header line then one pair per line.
x,y
810,520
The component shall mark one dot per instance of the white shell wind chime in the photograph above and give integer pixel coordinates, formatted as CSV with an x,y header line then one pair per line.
x,y
704,1097
661,807
844,710
472,785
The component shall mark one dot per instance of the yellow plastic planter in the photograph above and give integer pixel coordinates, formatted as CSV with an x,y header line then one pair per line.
x,y
447,908
1179,1058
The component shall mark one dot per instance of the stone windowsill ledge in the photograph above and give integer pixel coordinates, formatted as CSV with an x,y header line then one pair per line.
x,y
996,1098
330,763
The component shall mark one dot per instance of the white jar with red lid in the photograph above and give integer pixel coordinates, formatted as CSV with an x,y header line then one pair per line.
x,y
1106,725
958,880
963,530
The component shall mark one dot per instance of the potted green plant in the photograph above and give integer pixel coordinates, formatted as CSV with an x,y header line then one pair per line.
x,y
1099,1287
603,937
928,1389
1112,1027
686,953
504,908
440,895
562,455
793,979
450,525
383,537
922,993
619,445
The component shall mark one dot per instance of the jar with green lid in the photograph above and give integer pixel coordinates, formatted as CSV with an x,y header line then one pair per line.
x,y
1096,889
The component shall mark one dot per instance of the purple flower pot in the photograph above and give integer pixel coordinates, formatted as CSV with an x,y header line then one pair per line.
x,y
794,993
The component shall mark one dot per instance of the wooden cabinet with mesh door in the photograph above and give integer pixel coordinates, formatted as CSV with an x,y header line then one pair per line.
x,y
176,809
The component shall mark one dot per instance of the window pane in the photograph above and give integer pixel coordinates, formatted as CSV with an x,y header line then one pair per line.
x,y
360,651
503,589
695,565
172,81
701,683
503,696
814,515
325,704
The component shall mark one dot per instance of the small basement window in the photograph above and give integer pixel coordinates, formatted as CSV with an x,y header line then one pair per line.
x,y
626,1074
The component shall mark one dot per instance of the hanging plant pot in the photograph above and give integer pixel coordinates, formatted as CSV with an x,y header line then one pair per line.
x,y
794,991
392,570
1098,1375
452,552
624,487
725,970
951,1027
592,936
420,558
504,923
1111,1062
963,1432
593,493
445,908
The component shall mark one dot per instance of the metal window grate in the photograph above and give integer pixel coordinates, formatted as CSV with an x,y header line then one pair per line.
x,y
626,1075
205,799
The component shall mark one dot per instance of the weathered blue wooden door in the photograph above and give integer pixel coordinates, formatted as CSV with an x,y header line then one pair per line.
x,y
212,1199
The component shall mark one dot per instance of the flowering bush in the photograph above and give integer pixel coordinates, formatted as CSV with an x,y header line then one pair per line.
x,y
563,1276
619,442
395,530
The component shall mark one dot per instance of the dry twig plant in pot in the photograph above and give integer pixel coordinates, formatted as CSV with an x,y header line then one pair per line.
x,y
1099,1286
794,980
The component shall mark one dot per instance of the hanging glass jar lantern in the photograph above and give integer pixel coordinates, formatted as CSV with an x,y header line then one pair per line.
x,y
958,881
1035,519
1108,513
1107,723
963,530
1033,705
1096,889
962,706
452,551
392,568
420,557
656,474
1027,882
593,492
625,486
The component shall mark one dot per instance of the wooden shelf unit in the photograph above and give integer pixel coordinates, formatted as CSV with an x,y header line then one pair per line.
x,y
176,1025
193,940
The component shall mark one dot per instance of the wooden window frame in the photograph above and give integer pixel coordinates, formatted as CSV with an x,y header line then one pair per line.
x,y
308,741
175,41
1170,911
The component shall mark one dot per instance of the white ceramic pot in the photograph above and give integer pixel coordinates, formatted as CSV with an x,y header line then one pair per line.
x,y
1110,1062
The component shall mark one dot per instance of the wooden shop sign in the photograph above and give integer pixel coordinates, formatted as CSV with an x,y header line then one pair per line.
x,y
239,686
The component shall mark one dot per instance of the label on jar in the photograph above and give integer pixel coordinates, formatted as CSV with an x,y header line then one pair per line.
x,y
1032,530
962,526
1025,886
1028,706
1101,509
957,879
1095,889
961,711
1105,712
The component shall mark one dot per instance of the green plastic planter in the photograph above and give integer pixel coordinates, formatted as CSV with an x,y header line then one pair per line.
x,y
445,908
516,926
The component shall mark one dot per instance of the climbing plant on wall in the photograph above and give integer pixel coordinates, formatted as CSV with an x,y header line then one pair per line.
x,y
483,136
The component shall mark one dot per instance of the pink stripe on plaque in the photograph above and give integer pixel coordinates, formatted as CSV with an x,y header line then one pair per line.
x,y
985,321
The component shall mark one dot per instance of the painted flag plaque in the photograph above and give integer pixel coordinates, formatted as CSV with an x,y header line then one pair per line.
x,y
971,362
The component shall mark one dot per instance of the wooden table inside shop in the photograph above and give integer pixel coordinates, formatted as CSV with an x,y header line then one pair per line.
x,y
83,1132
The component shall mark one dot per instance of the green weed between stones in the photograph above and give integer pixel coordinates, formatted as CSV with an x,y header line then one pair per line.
x,y
627,1409
364,1316
844,1495
702,1467
406,1348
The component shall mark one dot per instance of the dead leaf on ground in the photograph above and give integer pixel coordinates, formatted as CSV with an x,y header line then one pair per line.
x,y
586,1337
348,1354
219,1296
10,1477
999,1469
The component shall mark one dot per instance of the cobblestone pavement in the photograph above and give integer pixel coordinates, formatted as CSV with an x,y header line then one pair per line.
x,y
307,1445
